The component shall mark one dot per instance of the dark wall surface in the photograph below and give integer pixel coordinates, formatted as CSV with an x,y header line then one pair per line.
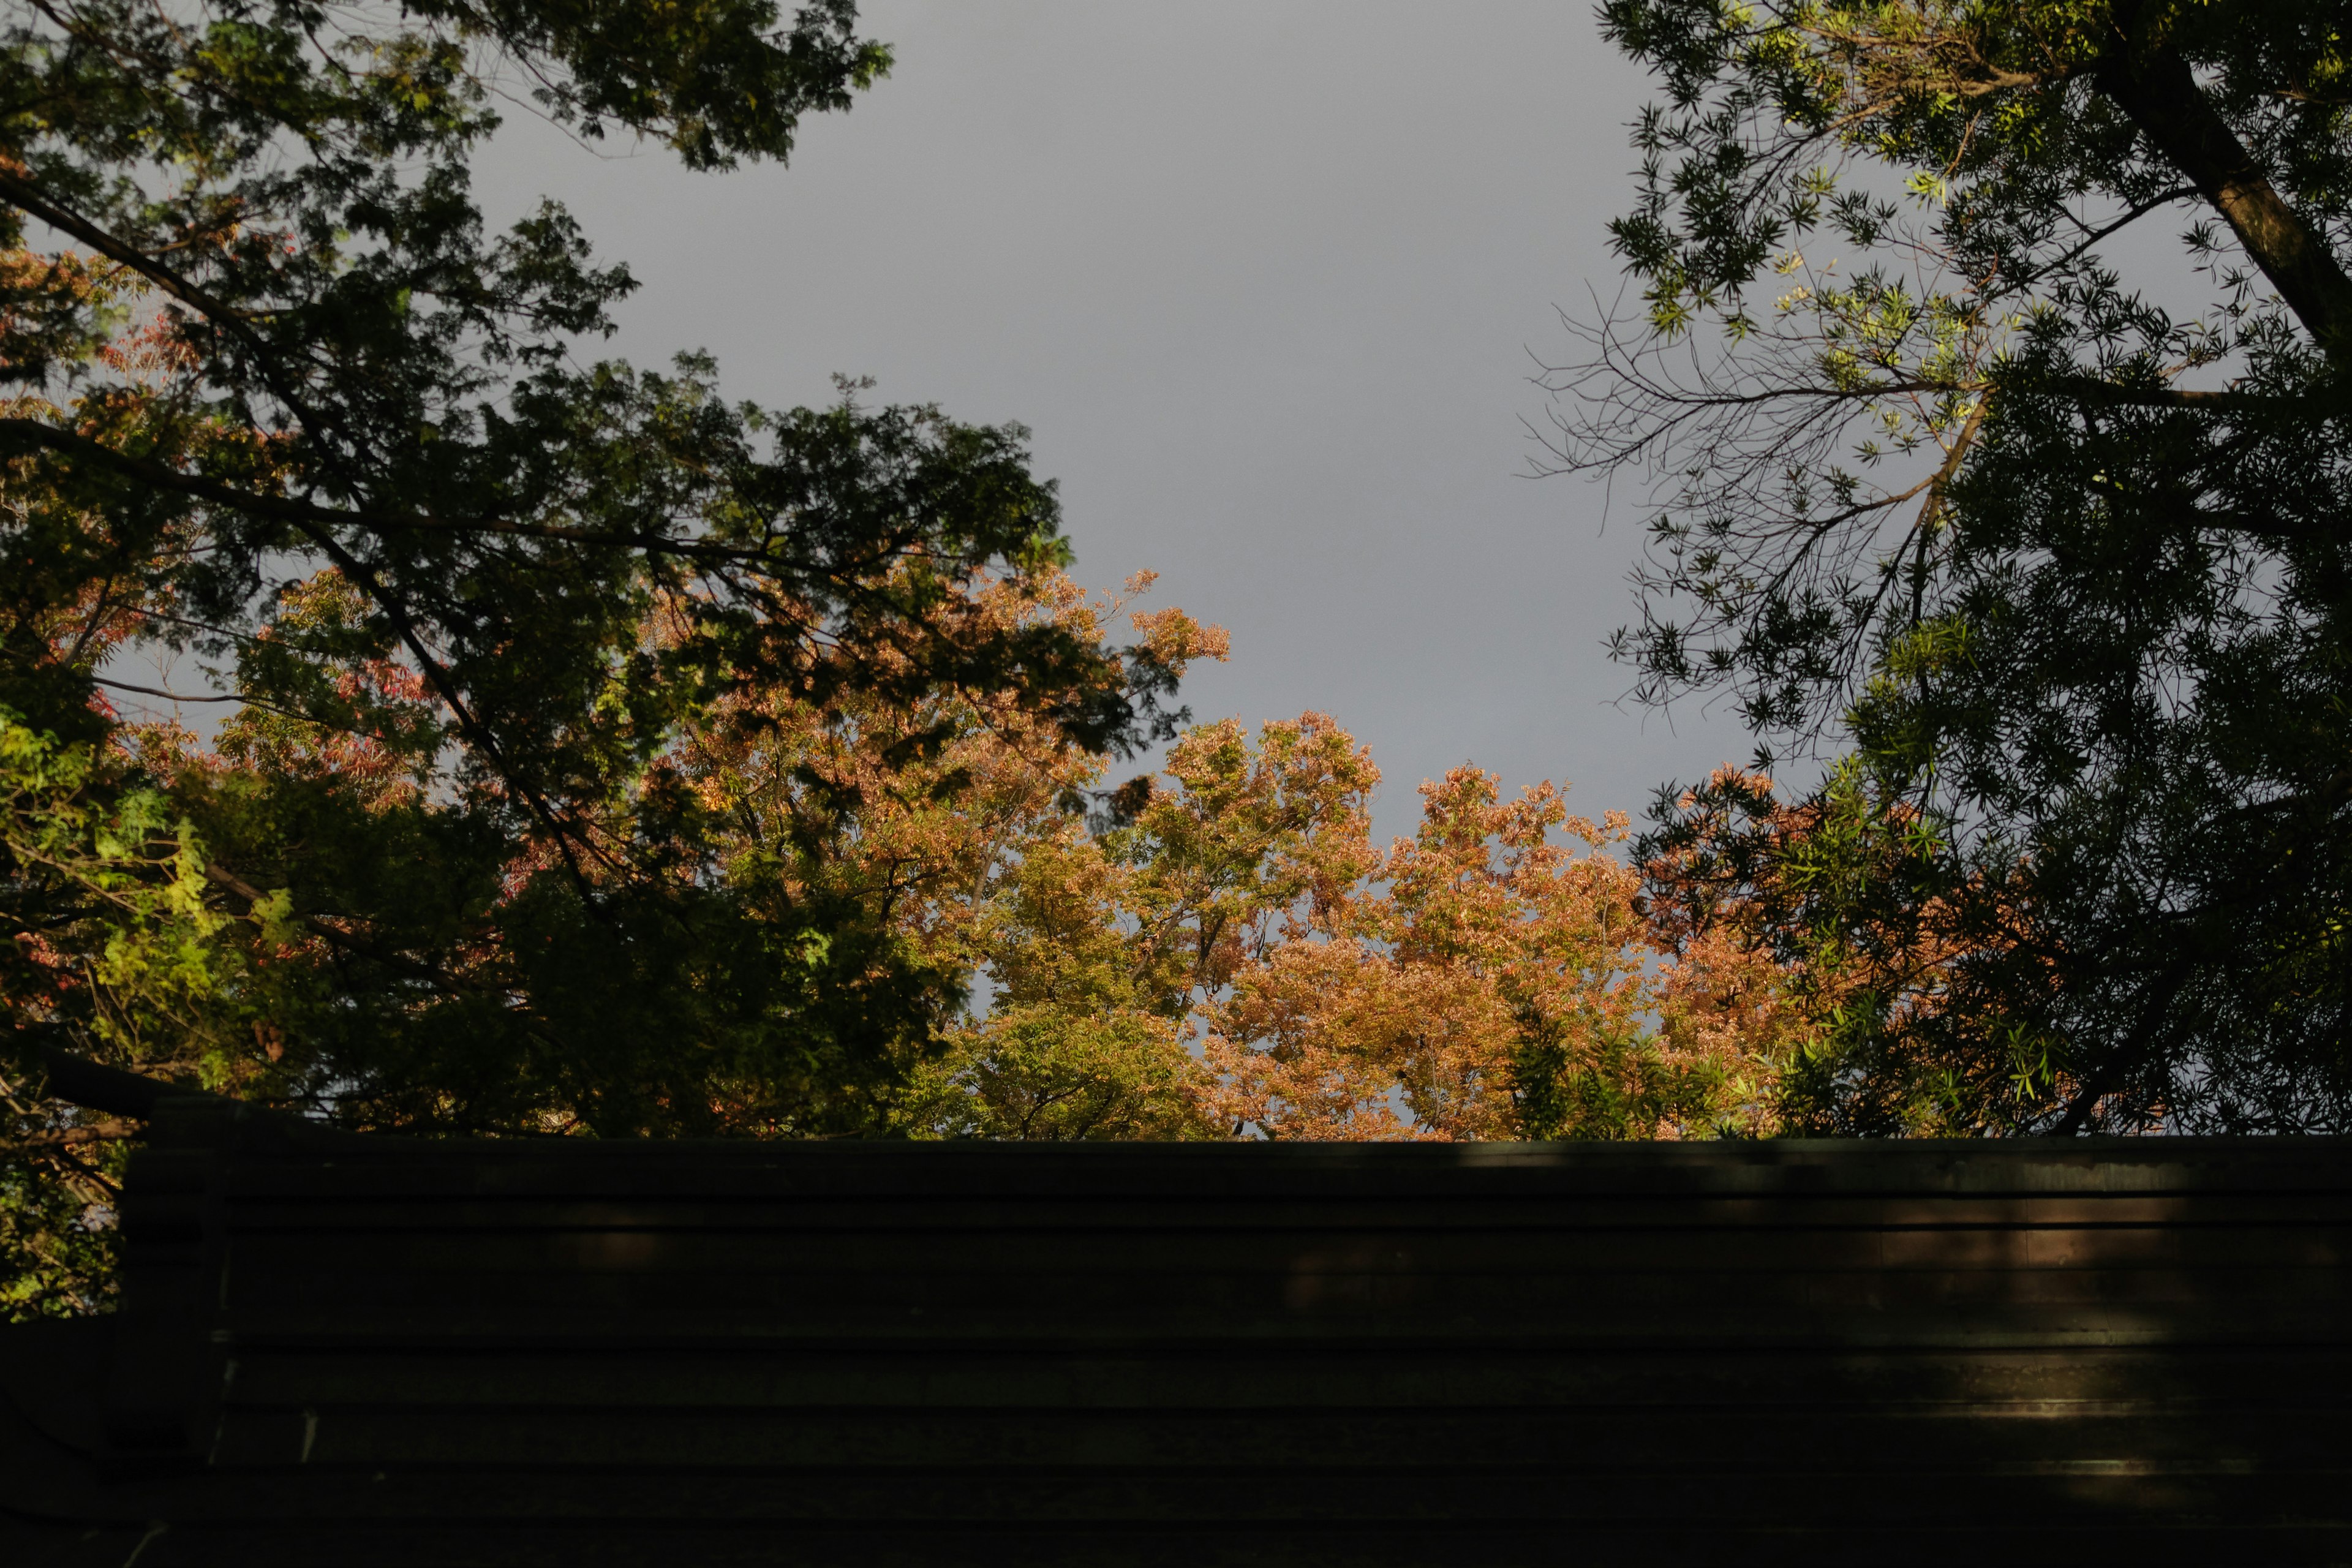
x,y
348,1351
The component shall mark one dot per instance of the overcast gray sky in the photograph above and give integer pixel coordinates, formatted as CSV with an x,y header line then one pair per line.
x,y
1264,279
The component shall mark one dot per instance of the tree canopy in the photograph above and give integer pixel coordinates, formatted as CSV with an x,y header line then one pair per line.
x,y
1964,471
606,758
281,401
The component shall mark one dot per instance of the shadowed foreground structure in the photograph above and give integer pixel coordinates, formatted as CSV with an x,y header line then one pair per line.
x,y
349,1351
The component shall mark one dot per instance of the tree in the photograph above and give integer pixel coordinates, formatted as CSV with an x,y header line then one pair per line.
x,y
1490,981
278,400
1955,482
119,859
1227,953
1908,1005
959,823
357,463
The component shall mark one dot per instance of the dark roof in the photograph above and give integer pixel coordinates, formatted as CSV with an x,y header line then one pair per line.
x,y
345,1351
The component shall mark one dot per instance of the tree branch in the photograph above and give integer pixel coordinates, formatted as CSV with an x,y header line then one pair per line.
x,y
22,193
110,1132
284,508
2153,85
